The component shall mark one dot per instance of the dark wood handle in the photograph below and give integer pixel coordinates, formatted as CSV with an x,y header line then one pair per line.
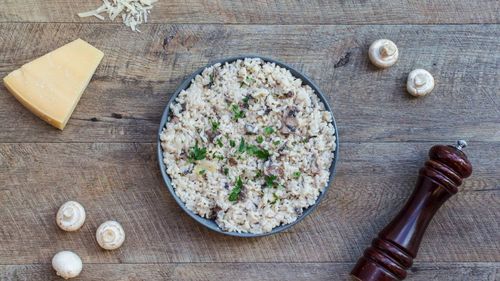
x,y
393,251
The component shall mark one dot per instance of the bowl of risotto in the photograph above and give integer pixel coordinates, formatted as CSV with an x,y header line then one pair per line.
x,y
247,146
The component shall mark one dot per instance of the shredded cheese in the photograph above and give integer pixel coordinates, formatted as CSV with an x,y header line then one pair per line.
x,y
133,12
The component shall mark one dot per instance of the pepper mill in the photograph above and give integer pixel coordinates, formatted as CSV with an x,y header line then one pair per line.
x,y
393,251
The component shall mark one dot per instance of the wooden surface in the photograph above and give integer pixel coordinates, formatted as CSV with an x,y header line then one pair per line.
x,y
106,157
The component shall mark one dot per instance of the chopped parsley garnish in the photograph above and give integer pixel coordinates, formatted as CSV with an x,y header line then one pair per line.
x,y
245,100
296,175
268,130
226,171
253,150
202,172
217,156
275,198
260,139
270,181
276,142
258,152
232,143
242,146
197,153
235,192
237,112
219,142
249,79
258,174
215,125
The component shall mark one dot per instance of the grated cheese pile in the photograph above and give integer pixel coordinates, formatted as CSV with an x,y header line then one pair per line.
x,y
133,12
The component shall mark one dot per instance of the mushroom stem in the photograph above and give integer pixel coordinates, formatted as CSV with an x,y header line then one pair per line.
x,y
383,53
387,50
420,83
110,235
70,216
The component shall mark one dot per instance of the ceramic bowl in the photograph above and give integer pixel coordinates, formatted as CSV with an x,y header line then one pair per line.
x,y
210,224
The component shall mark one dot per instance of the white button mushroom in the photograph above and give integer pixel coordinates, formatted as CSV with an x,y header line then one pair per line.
x,y
383,53
71,216
67,264
420,83
110,235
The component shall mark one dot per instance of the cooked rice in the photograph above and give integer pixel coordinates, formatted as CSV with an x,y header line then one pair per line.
x,y
247,99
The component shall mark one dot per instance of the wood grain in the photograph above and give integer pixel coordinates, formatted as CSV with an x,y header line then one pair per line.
x,y
121,181
132,85
271,12
245,272
106,157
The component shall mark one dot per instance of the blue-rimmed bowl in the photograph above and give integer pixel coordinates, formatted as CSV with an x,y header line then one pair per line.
x,y
210,224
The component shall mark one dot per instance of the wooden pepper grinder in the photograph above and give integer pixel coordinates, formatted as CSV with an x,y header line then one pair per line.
x,y
393,251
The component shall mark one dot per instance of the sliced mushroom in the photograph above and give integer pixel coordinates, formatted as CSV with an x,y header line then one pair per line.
x,y
273,169
289,123
174,119
232,161
213,212
211,135
286,95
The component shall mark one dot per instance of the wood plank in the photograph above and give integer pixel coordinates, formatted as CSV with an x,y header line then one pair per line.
x,y
246,271
126,98
271,12
121,181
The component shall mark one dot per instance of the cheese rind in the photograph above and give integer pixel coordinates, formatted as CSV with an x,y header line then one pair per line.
x,y
51,86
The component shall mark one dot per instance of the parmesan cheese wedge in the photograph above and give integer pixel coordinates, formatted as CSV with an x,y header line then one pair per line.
x,y
51,86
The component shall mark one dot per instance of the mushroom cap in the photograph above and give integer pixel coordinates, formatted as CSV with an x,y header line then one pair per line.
x,y
67,264
420,83
110,235
383,53
70,216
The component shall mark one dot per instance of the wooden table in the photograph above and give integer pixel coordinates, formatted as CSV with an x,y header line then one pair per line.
x,y
106,156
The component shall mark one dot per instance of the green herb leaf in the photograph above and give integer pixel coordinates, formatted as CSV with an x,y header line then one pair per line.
x,y
197,153
260,139
218,156
258,174
226,171
242,146
270,181
245,100
268,130
232,143
237,112
202,172
215,125
296,175
275,198
249,79
260,153
235,192
276,142
219,142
